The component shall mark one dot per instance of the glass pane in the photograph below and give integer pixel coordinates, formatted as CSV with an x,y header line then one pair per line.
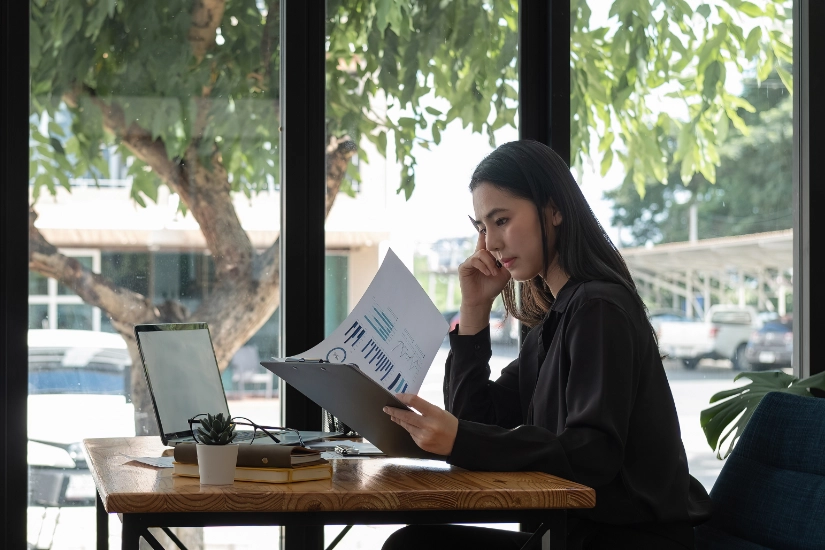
x,y
335,290
38,316
416,96
75,317
38,284
685,155
154,148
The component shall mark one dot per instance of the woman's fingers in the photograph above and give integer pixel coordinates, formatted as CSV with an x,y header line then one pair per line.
x,y
413,430
418,403
481,244
433,430
484,262
408,417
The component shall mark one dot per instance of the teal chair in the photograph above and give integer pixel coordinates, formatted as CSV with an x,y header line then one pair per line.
x,y
770,493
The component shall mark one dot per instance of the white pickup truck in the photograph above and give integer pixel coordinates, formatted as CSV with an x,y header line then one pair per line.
x,y
723,335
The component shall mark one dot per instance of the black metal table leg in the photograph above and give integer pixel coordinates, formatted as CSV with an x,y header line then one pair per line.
x,y
101,523
558,530
132,530
556,526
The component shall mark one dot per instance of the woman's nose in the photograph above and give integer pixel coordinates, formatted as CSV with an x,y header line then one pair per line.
x,y
493,241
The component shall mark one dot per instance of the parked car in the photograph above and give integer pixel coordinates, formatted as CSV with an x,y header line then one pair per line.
x,y
78,388
723,335
772,345
659,316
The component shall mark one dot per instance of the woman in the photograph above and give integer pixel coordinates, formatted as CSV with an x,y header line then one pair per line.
x,y
587,399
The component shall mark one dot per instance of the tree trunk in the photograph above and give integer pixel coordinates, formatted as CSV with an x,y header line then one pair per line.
x,y
247,290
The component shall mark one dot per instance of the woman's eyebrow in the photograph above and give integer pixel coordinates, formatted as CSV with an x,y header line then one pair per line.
x,y
493,212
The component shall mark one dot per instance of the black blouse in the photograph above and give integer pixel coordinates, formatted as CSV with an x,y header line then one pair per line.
x,y
586,400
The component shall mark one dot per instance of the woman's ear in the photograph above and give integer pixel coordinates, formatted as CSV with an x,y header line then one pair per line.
x,y
553,214
557,218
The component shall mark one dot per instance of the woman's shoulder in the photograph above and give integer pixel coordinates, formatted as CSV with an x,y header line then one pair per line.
x,y
607,291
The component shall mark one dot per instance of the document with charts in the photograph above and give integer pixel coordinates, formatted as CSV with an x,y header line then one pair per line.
x,y
392,334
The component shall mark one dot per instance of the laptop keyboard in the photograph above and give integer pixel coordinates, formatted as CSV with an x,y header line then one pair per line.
x,y
246,435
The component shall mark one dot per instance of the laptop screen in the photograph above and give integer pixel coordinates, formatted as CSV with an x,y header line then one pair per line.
x,y
182,373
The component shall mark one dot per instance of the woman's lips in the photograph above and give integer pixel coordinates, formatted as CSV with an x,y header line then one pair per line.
x,y
507,262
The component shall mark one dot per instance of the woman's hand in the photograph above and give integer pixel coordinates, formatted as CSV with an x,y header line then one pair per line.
x,y
481,279
433,430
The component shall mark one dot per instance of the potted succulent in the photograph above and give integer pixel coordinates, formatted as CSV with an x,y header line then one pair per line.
x,y
726,420
217,455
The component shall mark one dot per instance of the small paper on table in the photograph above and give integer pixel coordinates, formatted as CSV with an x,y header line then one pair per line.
x,y
156,461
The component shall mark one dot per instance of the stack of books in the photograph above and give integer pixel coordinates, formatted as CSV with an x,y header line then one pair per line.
x,y
261,463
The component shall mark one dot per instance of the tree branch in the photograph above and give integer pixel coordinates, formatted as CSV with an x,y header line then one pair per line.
x,y
205,192
121,304
273,17
339,154
206,18
235,312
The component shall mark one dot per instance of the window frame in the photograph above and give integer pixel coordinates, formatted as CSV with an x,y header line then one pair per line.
x,y
808,113
542,47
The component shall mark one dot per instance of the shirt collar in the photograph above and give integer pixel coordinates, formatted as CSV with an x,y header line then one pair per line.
x,y
566,292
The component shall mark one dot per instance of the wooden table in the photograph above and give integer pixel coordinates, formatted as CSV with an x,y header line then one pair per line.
x,y
362,492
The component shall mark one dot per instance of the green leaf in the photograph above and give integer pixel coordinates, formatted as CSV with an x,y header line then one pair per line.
x,y
764,70
703,10
785,76
382,143
712,76
717,421
750,9
607,162
752,42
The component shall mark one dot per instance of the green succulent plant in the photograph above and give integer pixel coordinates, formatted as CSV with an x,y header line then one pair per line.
x,y
726,420
216,430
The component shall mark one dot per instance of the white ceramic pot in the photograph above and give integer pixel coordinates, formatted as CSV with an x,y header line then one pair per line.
x,y
216,463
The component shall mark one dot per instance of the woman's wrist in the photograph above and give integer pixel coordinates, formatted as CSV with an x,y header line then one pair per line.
x,y
473,319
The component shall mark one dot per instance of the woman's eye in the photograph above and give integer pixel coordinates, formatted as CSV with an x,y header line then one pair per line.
x,y
501,221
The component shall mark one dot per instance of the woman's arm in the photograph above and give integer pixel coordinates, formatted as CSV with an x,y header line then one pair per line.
x,y
599,396
469,394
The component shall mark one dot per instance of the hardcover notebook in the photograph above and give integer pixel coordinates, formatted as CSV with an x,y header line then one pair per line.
x,y
259,456
261,463
264,475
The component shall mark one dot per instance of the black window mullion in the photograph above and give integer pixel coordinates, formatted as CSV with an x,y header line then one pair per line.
x,y
303,162
14,250
544,73
809,194
544,85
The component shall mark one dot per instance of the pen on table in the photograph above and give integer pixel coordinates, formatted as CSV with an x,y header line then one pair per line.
x,y
475,225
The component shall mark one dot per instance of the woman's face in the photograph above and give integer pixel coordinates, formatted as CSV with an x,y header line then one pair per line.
x,y
512,230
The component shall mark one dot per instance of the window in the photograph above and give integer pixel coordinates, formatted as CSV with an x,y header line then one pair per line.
x,y
421,94
682,140
155,182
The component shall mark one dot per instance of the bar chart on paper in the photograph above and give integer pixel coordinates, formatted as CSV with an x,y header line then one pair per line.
x,y
392,334
381,322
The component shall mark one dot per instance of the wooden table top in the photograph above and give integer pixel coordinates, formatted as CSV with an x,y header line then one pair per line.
x,y
397,484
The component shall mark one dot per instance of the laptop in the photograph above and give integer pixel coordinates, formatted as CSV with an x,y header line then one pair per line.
x,y
184,380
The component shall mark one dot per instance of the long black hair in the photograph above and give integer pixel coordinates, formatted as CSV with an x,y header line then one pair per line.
x,y
533,171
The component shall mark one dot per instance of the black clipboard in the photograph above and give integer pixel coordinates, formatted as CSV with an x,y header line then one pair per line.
x,y
355,398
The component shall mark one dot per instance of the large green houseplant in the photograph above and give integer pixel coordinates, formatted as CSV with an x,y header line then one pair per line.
x,y
725,421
